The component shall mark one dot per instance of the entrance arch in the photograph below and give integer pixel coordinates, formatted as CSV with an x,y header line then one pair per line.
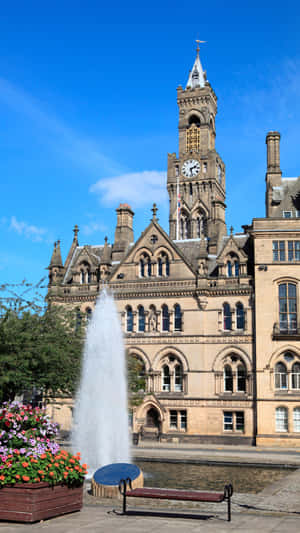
x,y
152,418
152,427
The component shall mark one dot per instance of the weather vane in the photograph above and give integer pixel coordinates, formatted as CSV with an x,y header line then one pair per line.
x,y
198,42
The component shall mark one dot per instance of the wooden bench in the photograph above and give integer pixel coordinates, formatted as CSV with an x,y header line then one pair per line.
x,y
126,490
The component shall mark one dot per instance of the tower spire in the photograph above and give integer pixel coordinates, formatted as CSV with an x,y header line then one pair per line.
x,y
197,76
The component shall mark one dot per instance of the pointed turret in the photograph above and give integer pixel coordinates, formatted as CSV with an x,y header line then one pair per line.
x,y
56,256
197,76
56,269
73,246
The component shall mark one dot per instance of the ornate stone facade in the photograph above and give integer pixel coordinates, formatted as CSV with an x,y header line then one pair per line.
x,y
214,318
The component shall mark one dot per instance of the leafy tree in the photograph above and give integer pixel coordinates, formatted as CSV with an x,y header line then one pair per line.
x,y
136,380
40,348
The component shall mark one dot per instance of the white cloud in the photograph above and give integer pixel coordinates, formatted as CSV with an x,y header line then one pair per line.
x,y
29,231
138,188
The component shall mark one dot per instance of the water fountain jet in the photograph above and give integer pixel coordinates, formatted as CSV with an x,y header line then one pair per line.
x,y
101,418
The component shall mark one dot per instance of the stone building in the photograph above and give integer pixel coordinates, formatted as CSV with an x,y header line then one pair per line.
x,y
212,317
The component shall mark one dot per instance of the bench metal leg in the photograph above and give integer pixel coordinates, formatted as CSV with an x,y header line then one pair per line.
x,y
122,489
124,502
228,491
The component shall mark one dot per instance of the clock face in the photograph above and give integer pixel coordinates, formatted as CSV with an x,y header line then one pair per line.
x,y
190,168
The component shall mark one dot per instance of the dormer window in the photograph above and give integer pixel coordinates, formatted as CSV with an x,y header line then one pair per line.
x,y
232,266
145,266
163,265
229,269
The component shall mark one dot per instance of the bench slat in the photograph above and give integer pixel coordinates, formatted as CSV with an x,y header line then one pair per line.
x,y
174,494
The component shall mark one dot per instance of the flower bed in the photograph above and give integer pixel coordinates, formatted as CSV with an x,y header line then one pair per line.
x,y
29,455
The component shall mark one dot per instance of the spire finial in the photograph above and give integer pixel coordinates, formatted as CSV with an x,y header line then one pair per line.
x,y
231,230
76,230
198,47
154,211
197,77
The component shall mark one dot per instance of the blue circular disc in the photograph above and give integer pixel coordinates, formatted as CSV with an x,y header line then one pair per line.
x,y
112,474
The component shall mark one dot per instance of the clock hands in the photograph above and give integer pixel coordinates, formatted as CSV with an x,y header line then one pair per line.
x,y
192,168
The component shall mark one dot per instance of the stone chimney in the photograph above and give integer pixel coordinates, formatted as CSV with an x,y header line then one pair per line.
x,y
273,174
124,232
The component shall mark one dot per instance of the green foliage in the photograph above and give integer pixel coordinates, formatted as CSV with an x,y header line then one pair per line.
x,y
136,380
39,349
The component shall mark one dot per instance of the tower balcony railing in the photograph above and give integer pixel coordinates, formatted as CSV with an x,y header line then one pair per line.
x,y
284,330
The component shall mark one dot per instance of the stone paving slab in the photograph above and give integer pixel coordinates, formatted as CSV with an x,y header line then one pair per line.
x,y
99,518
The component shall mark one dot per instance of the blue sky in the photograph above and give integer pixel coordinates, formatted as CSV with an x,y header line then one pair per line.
x,y
88,112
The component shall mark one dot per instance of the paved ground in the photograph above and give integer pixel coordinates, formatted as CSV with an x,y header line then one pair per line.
x,y
275,509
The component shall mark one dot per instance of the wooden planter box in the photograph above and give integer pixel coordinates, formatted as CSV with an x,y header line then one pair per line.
x,y
31,502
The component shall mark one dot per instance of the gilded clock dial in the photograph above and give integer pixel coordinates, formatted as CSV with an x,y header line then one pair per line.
x,y
190,168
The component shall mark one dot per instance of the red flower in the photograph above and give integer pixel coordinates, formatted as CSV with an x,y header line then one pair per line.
x,y
2,478
25,464
25,478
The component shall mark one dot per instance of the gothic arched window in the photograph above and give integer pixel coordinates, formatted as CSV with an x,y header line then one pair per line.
x,y
185,227
240,316
228,379
167,266
198,227
165,318
178,378
129,319
82,276
227,320
281,377
181,228
177,318
241,378
141,318
296,376
229,269
166,378
145,265
160,266
236,269
142,268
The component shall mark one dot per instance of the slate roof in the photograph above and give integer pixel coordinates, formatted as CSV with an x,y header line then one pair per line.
x,y
287,196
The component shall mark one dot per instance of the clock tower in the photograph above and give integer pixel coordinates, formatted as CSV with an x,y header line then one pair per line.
x,y
196,177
